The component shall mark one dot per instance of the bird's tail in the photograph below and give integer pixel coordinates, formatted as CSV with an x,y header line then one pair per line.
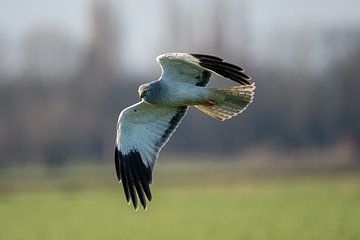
x,y
235,100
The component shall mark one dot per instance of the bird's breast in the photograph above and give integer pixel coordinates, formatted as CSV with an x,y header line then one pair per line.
x,y
184,95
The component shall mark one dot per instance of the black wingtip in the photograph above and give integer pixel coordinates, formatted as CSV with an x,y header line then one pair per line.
x,y
135,177
135,169
133,197
202,56
124,181
117,165
225,69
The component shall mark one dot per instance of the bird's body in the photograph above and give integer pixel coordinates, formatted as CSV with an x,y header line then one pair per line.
x,y
145,127
178,94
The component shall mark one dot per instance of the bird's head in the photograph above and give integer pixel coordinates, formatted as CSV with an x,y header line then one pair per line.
x,y
143,91
148,92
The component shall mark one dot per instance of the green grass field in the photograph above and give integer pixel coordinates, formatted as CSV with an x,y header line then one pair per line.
x,y
194,206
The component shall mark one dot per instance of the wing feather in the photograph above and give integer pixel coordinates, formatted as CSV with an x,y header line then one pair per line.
x,y
197,68
143,129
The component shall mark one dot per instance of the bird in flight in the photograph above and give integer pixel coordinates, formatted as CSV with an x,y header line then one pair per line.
x,y
145,127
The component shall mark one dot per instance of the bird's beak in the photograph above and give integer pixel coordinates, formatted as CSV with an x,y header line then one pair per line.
x,y
142,94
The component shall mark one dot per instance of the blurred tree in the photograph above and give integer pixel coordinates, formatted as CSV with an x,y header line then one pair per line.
x,y
3,56
50,54
347,73
55,121
93,88
104,41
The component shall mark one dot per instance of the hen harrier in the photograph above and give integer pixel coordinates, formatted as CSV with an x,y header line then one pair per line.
x,y
145,127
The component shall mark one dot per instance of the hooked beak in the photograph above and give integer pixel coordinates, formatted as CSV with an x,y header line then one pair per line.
x,y
142,95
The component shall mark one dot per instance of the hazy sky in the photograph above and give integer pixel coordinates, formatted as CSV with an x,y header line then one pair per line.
x,y
143,19
18,17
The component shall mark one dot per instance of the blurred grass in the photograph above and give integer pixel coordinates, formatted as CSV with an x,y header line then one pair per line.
x,y
191,201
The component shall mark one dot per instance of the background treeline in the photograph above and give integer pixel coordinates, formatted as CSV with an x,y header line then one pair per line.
x,y
70,111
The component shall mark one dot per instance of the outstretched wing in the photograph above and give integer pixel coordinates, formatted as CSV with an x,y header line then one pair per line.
x,y
142,130
197,68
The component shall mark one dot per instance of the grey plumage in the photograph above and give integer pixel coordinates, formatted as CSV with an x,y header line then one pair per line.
x,y
144,128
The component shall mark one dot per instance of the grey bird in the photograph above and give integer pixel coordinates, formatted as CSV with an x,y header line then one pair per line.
x,y
145,127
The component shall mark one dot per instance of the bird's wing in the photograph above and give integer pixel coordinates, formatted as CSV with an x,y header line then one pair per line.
x,y
142,130
197,68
